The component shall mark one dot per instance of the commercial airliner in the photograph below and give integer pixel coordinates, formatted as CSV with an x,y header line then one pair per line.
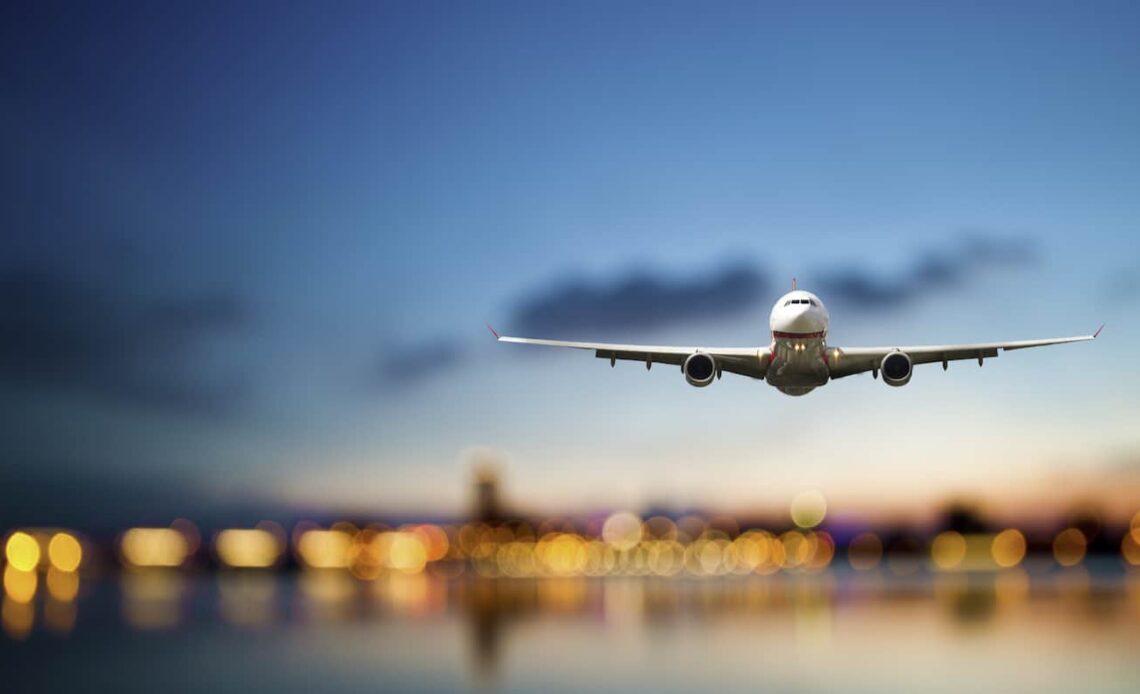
x,y
798,360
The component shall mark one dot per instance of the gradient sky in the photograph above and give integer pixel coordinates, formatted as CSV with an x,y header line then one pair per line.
x,y
251,249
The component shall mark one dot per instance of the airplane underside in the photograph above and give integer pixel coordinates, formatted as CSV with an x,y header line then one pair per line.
x,y
797,367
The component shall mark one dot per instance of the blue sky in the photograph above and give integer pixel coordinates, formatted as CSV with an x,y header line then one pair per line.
x,y
233,227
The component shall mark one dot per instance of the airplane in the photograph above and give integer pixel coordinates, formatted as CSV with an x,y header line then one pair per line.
x,y
798,360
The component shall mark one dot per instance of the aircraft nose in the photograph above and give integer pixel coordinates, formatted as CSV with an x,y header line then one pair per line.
x,y
803,320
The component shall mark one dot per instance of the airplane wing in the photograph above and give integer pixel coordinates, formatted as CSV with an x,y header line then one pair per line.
x,y
848,361
745,361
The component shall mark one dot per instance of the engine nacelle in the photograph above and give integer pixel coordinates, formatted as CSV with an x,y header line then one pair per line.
x,y
699,369
897,369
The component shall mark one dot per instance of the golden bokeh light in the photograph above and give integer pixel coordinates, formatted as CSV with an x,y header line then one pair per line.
x,y
325,549
666,558
808,509
22,551
64,552
1130,549
622,530
252,548
404,552
797,549
865,551
1134,528
823,550
751,550
948,550
19,586
562,554
62,586
1069,547
1008,548
435,542
154,547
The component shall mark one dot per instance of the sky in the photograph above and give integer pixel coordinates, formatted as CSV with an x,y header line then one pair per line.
x,y
251,249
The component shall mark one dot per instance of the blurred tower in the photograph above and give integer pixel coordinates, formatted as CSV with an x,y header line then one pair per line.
x,y
488,505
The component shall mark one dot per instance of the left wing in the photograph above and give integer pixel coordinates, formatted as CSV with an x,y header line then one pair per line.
x,y
746,361
848,361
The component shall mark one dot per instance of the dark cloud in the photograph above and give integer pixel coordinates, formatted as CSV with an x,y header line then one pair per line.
x,y
63,332
1124,284
856,287
409,364
640,300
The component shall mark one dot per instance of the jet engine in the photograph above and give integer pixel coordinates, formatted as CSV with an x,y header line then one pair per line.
x,y
897,369
700,369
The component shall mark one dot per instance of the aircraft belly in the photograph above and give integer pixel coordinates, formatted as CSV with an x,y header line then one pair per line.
x,y
798,364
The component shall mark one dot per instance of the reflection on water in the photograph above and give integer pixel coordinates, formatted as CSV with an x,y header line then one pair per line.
x,y
247,598
1019,628
152,598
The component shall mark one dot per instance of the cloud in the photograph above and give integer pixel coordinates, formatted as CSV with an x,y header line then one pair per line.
x,y
1124,284
59,331
638,300
407,365
857,288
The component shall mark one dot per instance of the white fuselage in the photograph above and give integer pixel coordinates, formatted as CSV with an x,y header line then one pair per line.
x,y
799,323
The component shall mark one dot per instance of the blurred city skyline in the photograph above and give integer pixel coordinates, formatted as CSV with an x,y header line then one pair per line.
x,y
253,252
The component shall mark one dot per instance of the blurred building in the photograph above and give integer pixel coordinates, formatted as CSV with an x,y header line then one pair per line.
x,y
488,506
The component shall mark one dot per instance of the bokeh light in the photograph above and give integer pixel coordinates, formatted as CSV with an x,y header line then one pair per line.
x,y
1130,549
1069,547
22,551
403,551
808,509
154,547
247,548
1008,548
948,550
622,530
324,549
64,552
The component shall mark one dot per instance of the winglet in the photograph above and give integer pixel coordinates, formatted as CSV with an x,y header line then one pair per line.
x,y
793,284
1097,333
493,332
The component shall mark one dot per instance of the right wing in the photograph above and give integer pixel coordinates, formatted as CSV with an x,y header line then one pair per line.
x,y
848,361
745,361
